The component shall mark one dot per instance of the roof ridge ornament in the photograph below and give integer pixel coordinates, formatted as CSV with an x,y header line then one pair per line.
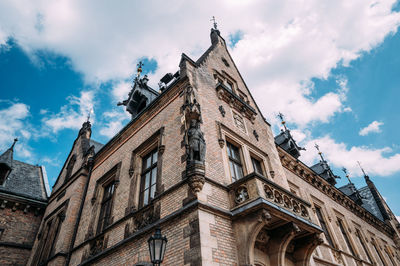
x,y
139,69
366,177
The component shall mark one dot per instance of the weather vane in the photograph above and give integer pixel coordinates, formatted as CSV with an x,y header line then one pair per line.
x,y
347,175
215,23
281,116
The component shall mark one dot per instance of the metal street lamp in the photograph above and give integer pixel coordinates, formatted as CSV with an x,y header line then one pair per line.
x,y
157,245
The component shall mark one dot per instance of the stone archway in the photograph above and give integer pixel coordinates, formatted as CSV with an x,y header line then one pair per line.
x,y
264,240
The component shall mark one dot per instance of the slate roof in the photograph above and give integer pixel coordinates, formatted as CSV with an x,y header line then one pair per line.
x,y
369,203
97,145
7,158
25,180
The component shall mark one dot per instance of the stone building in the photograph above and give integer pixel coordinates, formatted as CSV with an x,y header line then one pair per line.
x,y
199,160
23,200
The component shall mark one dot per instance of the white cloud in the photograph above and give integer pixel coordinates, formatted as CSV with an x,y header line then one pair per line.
x,y
13,123
338,154
373,127
398,218
115,122
73,114
284,43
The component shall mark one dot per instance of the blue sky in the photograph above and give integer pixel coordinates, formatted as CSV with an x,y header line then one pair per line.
x,y
331,67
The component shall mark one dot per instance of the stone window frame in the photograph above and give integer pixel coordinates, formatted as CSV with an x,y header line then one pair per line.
x,y
142,177
45,249
155,141
376,247
112,175
106,205
226,79
317,204
234,161
247,149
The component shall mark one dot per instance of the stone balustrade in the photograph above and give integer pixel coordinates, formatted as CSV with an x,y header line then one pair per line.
x,y
254,186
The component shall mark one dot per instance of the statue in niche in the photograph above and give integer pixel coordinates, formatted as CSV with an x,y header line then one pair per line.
x,y
191,107
196,142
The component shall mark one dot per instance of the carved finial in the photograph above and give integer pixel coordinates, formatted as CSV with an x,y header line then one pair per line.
x,y
214,23
281,116
347,175
359,164
139,68
12,146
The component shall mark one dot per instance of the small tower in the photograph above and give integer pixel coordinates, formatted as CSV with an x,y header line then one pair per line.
x,y
141,94
6,160
351,190
322,168
286,141
375,194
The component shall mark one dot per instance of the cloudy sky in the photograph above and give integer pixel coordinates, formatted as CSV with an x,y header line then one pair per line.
x,y
332,67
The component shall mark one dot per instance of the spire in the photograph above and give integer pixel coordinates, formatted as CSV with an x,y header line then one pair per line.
x,y
6,161
366,177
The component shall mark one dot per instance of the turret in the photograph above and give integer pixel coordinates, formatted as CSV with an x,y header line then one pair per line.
x,y
6,160
286,141
322,169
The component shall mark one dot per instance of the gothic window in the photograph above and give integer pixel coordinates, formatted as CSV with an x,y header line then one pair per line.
x,y
324,226
229,85
149,177
360,238
235,163
70,167
106,206
257,166
346,237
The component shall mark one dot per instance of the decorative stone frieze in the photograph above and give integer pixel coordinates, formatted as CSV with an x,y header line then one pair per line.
x,y
322,185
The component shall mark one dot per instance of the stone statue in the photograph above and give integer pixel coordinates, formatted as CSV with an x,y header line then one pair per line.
x,y
196,142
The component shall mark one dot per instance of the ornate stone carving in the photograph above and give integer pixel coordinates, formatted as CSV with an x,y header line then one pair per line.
x,y
195,172
222,110
196,142
256,134
239,122
241,195
96,245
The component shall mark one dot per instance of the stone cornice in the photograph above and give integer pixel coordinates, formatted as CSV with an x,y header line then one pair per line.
x,y
308,175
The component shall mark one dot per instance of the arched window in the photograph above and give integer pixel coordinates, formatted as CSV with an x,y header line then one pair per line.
x,y
70,167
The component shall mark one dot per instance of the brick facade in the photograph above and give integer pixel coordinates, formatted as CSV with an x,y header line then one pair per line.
x,y
208,220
